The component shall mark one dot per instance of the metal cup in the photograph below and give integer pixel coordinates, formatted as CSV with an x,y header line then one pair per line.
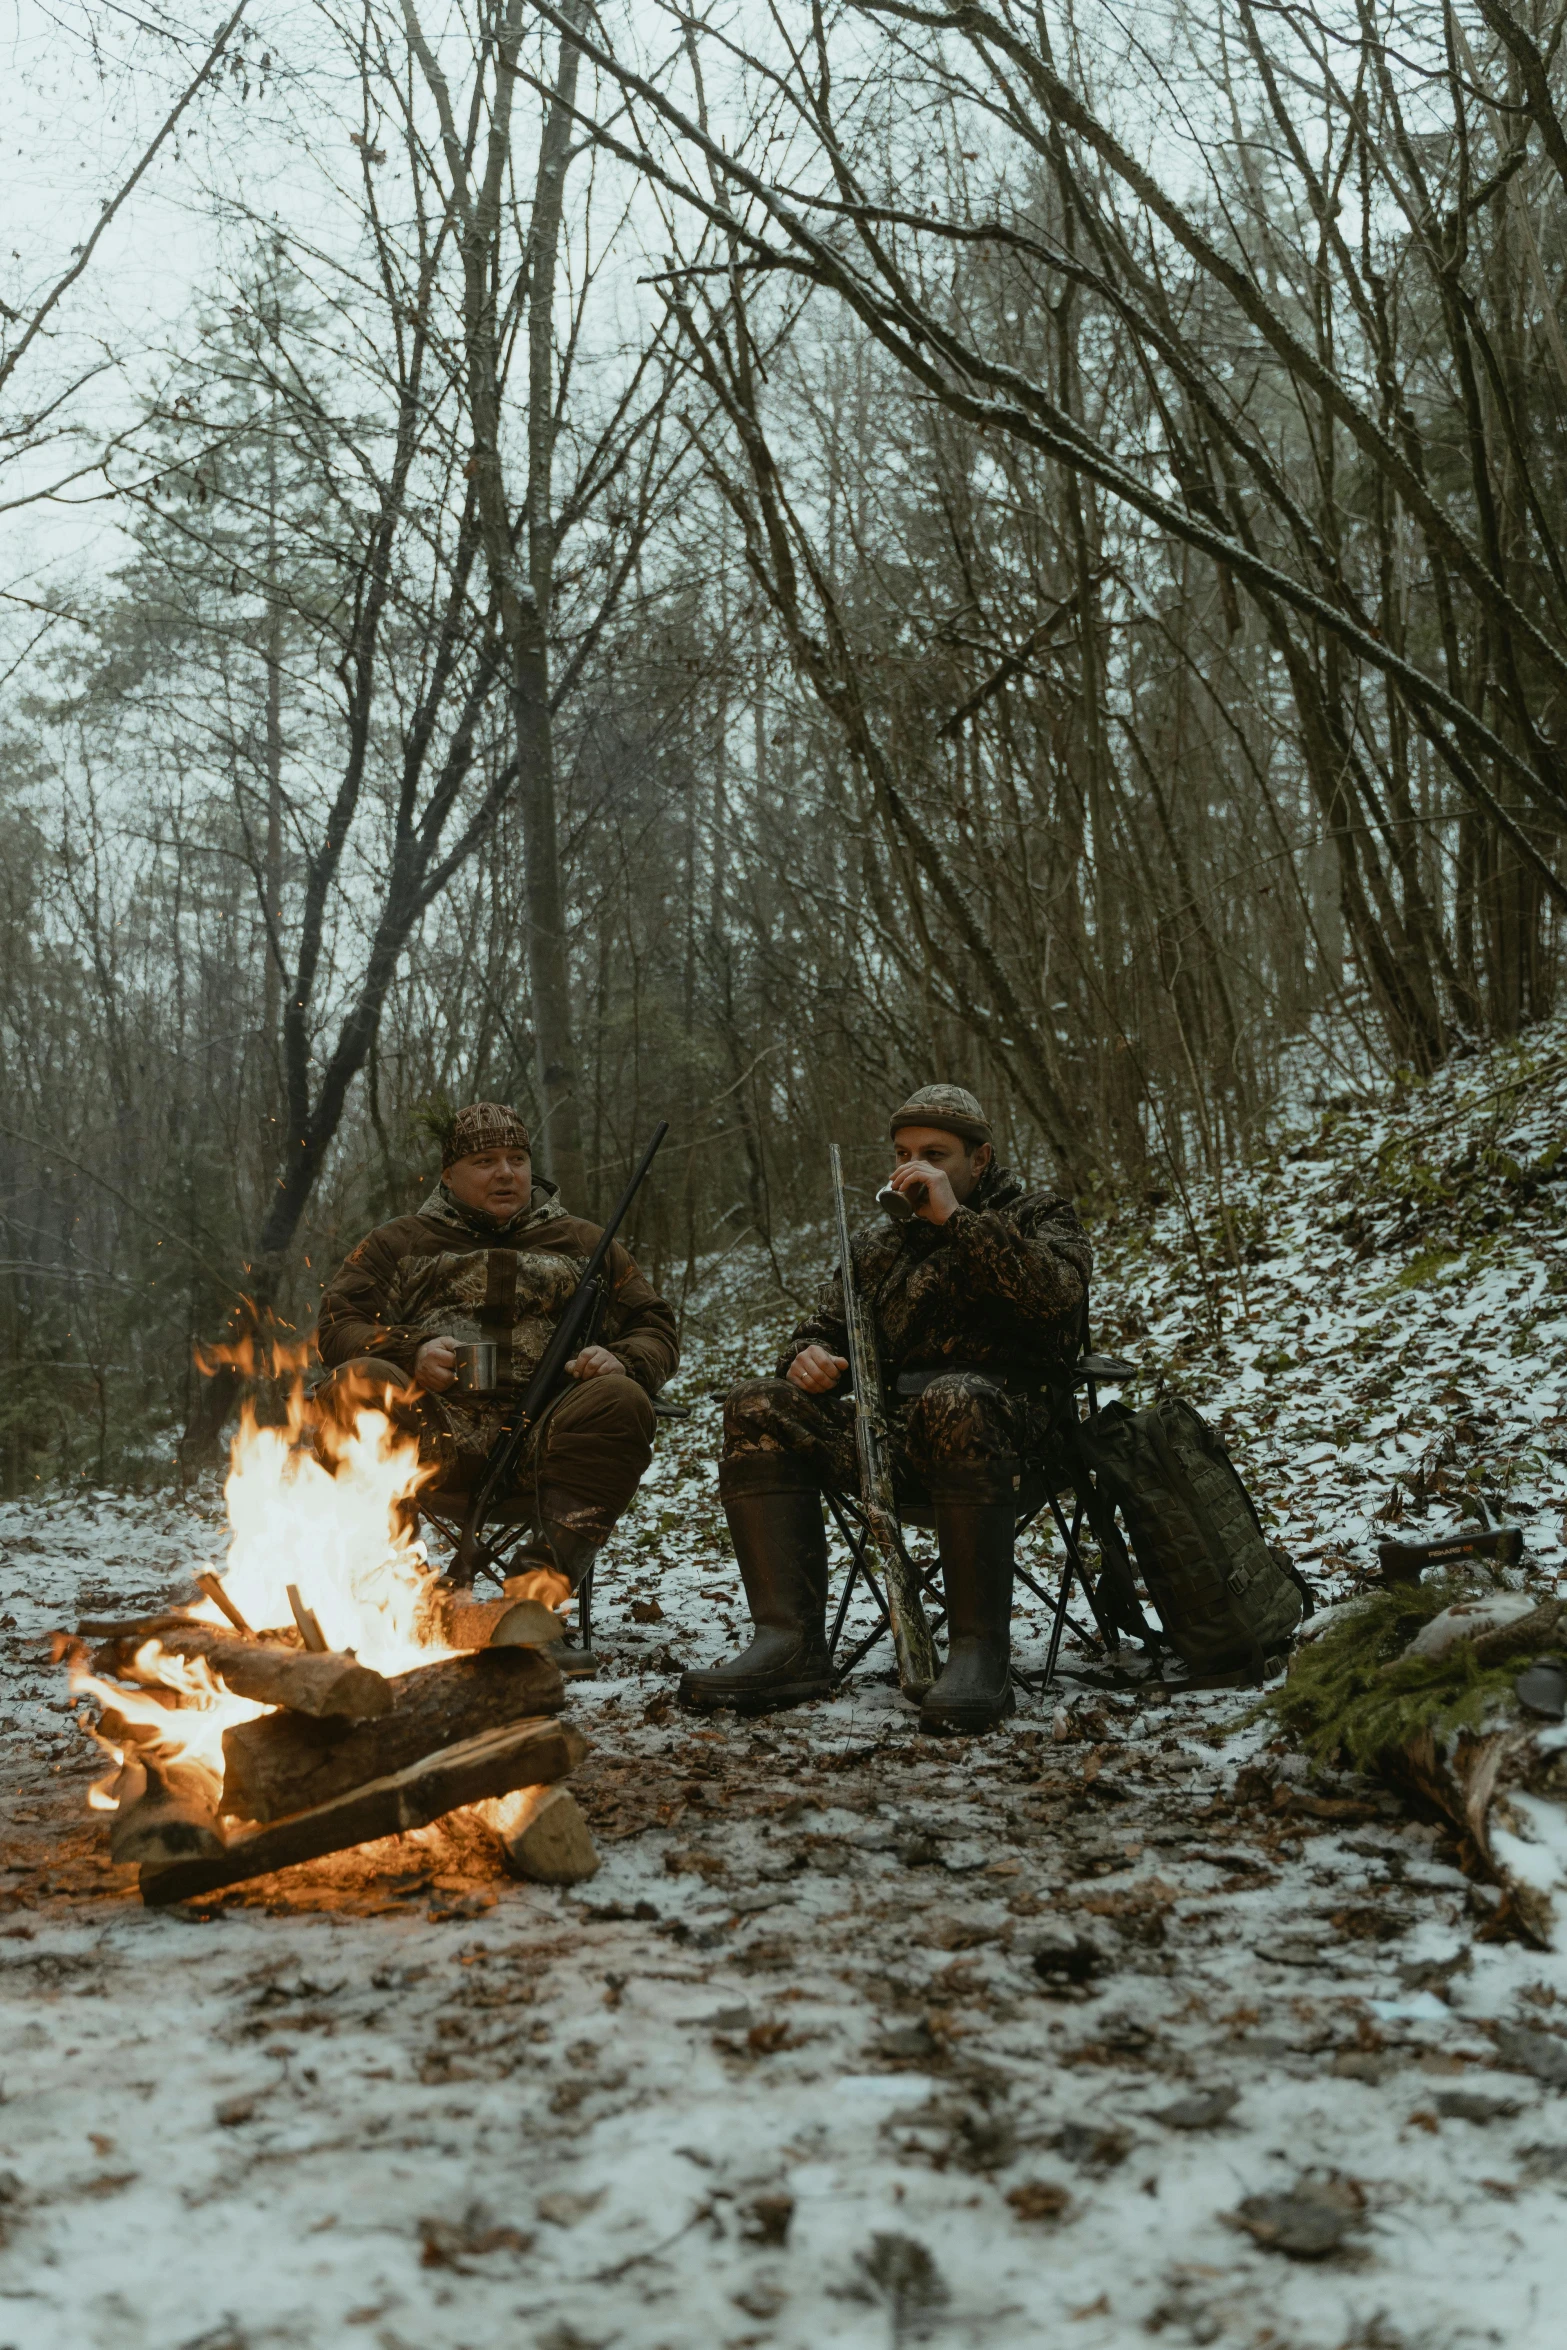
x,y
475,1366
901,1206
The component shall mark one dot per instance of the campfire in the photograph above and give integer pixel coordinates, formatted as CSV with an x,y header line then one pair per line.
x,y
328,1688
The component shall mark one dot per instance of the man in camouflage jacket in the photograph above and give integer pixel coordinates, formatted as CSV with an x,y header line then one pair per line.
x,y
979,1301
494,1255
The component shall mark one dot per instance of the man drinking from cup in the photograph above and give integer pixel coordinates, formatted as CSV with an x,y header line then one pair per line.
x,y
978,1286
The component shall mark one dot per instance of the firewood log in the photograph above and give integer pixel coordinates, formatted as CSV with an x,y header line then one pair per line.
x,y
132,1628
172,1821
462,1621
523,1754
274,1675
544,1835
284,1764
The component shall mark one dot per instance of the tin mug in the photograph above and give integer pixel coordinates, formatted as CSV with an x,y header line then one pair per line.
x,y
900,1206
475,1366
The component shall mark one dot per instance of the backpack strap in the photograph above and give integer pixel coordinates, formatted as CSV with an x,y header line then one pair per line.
x,y
1116,1566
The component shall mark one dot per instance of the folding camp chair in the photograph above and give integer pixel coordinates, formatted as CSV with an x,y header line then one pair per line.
x,y
1046,1475
507,1526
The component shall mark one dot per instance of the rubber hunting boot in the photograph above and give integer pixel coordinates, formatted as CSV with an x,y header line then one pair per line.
x,y
974,1539
775,1524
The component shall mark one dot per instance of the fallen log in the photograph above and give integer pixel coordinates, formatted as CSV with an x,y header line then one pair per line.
x,y
282,1764
1525,1636
523,1754
271,1674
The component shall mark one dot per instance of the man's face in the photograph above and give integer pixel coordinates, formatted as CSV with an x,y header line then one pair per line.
x,y
497,1182
947,1153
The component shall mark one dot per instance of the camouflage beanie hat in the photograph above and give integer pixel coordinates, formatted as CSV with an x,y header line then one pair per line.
x,y
951,1108
483,1126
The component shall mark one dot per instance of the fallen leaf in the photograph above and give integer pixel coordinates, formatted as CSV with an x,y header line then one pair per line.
x,y
1039,2199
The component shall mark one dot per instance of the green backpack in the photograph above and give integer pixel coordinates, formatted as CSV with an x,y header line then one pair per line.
x,y
1224,1599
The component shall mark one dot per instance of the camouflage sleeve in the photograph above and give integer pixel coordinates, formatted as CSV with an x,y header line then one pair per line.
x,y
1037,1260
825,1326
643,1326
352,1319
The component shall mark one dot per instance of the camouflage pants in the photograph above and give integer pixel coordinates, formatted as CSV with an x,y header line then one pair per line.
x,y
959,1440
592,1446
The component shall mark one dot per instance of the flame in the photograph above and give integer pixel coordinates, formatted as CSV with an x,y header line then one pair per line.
x,y
260,1351
342,1539
341,1534
540,1583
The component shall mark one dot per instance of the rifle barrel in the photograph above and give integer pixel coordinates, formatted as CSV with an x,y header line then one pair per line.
x,y
577,1309
910,1632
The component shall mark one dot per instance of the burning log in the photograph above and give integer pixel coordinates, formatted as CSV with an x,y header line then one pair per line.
x,y
523,1754
281,1764
270,1674
117,1630
456,1618
163,1817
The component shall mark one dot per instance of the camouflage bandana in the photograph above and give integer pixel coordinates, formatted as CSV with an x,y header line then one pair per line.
x,y
949,1107
483,1126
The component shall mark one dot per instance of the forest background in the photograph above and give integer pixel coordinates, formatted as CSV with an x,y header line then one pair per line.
x,y
717,562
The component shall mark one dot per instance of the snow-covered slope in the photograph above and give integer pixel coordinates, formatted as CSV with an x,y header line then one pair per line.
x,y
1376,1315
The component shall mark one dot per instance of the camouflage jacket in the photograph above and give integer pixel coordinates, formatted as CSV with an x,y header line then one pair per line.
x,y
446,1272
1000,1286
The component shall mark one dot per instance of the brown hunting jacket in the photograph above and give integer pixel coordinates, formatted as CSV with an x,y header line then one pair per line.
x,y
444,1272
1001,1287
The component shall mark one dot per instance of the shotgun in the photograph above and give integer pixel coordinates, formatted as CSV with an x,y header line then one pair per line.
x,y
910,1632
573,1331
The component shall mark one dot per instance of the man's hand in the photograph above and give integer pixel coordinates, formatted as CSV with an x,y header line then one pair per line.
x,y
816,1370
435,1365
940,1198
594,1362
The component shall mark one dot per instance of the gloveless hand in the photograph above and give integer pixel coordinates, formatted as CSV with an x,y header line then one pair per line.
x,y
940,1198
816,1370
594,1362
435,1365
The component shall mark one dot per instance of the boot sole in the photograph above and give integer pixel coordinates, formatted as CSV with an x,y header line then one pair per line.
x,y
968,1721
753,1701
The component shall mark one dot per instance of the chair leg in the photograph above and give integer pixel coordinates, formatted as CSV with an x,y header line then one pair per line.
x,y
585,1610
1040,1592
1074,1565
1058,1626
856,1535
856,1569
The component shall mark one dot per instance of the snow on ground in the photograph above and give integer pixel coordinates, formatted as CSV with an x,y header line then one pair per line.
x,y
859,2038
